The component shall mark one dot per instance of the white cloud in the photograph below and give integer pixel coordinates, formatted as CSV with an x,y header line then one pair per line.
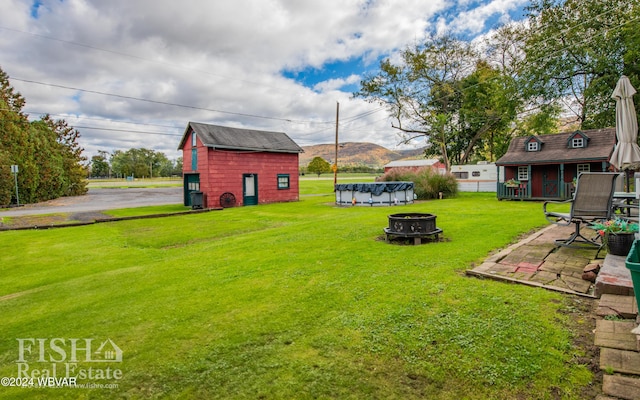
x,y
335,84
474,19
214,55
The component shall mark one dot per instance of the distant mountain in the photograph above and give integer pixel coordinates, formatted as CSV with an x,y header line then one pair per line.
x,y
357,153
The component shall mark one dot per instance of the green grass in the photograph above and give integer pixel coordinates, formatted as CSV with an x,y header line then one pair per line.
x,y
149,210
136,183
293,300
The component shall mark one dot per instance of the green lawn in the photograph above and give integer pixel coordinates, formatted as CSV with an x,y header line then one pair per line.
x,y
293,300
142,182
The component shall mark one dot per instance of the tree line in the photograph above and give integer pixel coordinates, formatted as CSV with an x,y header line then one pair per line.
x,y
46,151
469,99
137,163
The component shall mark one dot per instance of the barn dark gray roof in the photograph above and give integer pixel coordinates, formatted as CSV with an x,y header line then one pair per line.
x,y
554,148
224,137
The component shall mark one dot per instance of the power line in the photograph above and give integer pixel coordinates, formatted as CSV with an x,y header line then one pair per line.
x,y
157,101
67,116
124,130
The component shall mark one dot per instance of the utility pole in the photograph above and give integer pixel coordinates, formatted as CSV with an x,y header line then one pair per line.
x,y
335,160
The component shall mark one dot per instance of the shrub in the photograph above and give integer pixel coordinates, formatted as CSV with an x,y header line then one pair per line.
x,y
428,183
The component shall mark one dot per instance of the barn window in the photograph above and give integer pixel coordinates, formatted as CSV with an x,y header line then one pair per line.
x,y
283,181
194,143
532,146
194,159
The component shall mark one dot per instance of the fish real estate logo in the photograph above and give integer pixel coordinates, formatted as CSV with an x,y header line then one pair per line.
x,y
62,362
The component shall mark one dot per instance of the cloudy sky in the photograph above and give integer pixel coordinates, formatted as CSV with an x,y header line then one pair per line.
x,y
132,73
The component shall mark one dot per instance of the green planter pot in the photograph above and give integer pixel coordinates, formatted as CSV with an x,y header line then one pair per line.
x,y
633,264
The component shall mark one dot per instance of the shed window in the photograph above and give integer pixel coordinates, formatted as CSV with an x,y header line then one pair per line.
x,y
194,159
584,168
283,181
532,146
193,139
523,173
475,174
577,142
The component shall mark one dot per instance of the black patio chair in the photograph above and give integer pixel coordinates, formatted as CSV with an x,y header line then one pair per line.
x,y
592,201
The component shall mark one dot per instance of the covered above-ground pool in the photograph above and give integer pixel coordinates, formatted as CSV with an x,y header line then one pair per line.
x,y
374,194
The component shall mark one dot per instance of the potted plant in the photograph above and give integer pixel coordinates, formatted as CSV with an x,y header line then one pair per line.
x,y
512,183
617,234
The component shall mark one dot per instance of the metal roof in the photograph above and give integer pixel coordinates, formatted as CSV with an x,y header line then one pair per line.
x,y
412,163
554,148
224,137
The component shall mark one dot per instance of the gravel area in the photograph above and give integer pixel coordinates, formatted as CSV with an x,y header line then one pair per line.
x,y
97,200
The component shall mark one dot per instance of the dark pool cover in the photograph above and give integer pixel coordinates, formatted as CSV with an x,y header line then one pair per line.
x,y
376,188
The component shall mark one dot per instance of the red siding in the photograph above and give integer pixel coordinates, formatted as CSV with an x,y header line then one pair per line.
x,y
222,171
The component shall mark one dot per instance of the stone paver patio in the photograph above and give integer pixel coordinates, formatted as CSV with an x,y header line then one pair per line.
x,y
536,261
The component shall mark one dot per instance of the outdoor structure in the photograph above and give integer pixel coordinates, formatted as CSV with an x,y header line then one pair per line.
x,y
374,194
480,177
416,164
545,167
232,166
416,226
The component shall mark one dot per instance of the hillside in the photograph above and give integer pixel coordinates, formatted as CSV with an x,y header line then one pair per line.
x,y
356,153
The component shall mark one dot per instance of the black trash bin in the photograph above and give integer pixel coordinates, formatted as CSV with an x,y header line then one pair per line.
x,y
197,200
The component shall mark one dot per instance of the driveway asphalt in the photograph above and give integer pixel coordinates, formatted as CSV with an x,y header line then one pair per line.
x,y
100,200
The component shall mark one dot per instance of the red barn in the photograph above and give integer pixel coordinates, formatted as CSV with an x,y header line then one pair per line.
x,y
232,166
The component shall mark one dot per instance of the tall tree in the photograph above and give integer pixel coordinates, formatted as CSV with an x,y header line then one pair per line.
x,y
576,50
47,153
73,160
13,136
488,107
100,165
447,93
422,92
319,166
141,163
503,50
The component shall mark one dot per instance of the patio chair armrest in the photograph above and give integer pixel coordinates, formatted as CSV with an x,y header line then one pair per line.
x,y
555,217
544,205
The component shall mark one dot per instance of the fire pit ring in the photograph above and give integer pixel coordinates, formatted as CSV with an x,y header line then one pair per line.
x,y
412,225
